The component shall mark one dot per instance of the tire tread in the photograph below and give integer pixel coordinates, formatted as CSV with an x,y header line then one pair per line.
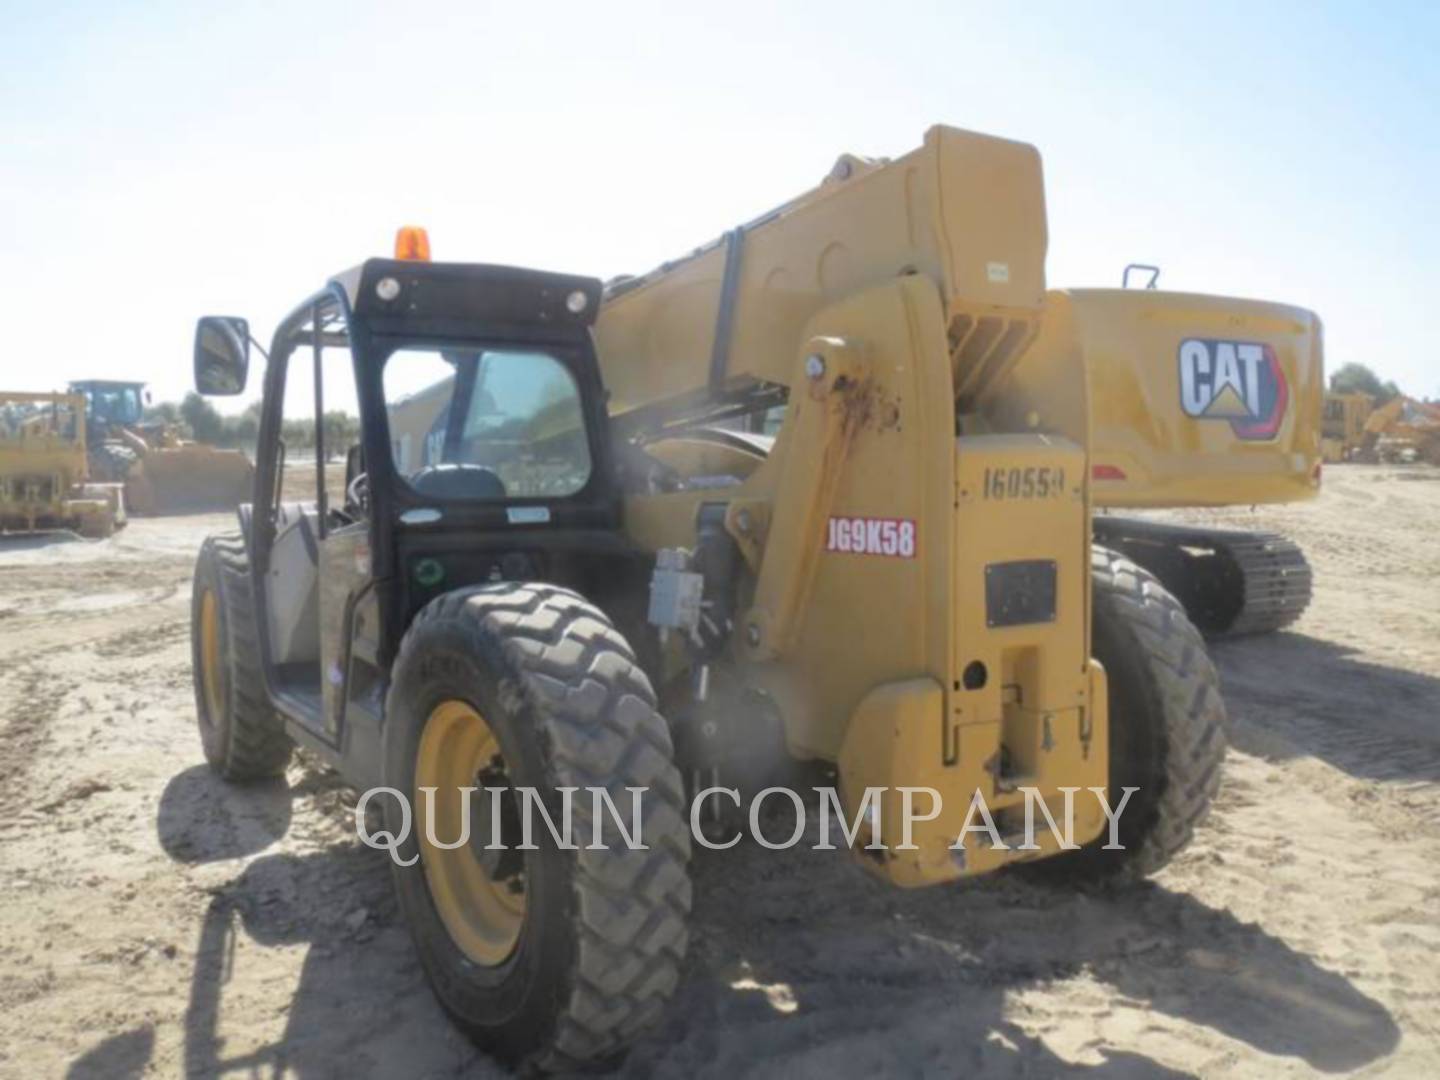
x,y
256,745
1193,736
600,728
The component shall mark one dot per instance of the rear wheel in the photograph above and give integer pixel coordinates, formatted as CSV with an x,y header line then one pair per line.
x,y
242,736
1167,724
554,957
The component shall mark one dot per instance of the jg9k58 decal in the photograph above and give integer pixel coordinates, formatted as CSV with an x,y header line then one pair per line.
x,y
1237,381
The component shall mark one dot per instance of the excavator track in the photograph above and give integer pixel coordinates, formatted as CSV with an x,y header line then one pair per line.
x,y
1231,582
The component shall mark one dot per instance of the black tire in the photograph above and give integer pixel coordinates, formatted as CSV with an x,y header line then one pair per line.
x,y
243,738
1167,725
604,935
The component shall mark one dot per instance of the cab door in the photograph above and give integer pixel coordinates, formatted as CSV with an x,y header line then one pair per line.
x,y
344,522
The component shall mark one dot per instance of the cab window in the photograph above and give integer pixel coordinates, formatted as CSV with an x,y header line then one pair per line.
x,y
486,423
116,404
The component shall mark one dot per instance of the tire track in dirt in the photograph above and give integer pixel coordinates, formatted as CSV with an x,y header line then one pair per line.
x,y
37,650
159,921
33,698
49,635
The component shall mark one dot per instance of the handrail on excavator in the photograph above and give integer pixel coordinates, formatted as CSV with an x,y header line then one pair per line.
x,y
1154,272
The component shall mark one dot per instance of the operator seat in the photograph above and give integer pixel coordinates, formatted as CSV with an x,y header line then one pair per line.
x,y
459,481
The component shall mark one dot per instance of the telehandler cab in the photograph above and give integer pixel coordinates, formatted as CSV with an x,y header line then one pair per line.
x,y
554,570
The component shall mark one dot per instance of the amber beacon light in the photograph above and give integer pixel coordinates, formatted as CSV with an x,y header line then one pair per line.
x,y
412,244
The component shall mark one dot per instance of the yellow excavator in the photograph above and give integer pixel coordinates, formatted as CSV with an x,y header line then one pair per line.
x,y
1402,430
161,472
562,565
1206,401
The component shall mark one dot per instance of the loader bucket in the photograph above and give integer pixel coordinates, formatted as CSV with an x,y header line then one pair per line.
x,y
189,478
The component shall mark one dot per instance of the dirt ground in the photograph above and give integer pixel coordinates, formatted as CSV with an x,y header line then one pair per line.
x,y
155,921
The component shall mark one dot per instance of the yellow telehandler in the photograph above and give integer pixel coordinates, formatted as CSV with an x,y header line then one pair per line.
x,y
561,579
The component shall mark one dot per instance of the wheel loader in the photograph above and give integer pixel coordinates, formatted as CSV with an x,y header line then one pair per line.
x,y
44,482
162,472
556,566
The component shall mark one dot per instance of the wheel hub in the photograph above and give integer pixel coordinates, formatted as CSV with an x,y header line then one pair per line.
x,y
210,677
479,894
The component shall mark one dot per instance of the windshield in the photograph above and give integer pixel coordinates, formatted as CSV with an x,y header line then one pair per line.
x,y
488,424
115,404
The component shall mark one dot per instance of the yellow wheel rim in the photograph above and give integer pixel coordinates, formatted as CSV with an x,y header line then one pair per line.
x,y
483,910
210,656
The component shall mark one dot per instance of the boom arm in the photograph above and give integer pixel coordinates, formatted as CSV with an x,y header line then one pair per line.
x,y
965,210
914,595
719,328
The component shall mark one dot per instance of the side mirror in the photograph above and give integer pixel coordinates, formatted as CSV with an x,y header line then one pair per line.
x,y
222,355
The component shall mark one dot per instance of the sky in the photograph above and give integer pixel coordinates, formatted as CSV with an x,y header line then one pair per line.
x,y
175,160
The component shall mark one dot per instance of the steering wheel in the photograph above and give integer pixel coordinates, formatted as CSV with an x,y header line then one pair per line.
x,y
357,495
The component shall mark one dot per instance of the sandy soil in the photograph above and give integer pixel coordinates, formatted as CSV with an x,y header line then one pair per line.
x,y
154,921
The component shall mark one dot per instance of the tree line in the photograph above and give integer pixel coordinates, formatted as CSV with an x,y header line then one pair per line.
x,y
199,420
1357,378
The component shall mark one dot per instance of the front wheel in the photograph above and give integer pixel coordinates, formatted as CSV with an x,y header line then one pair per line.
x,y
551,957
